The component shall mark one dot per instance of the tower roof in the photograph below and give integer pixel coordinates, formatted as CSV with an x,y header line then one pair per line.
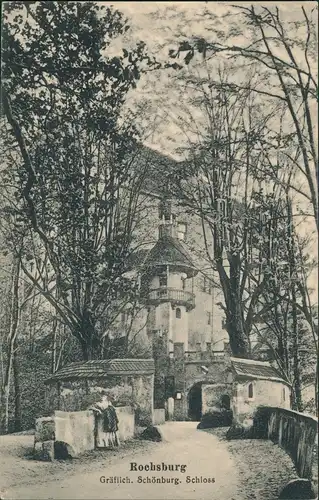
x,y
169,251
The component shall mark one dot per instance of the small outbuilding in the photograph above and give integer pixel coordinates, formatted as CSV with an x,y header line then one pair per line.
x,y
257,383
129,382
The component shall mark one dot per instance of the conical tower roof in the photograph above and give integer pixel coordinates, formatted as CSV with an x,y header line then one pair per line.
x,y
169,251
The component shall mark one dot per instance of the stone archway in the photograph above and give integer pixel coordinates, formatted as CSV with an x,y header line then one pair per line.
x,y
194,400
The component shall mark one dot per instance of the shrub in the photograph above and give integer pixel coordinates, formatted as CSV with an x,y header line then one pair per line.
x,y
151,433
239,431
261,419
217,418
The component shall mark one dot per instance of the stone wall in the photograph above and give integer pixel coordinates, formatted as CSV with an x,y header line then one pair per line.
x,y
143,398
215,374
265,393
212,396
79,395
75,432
76,429
295,432
44,438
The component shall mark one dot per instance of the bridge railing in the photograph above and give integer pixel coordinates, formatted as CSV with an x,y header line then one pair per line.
x,y
293,431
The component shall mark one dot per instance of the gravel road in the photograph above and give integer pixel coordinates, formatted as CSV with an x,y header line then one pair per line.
x,y
204,469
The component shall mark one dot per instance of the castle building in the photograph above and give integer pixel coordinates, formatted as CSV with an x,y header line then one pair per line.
x,y
182,363
194,372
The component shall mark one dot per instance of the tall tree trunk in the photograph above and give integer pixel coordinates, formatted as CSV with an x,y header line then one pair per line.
x,y
234,314
17,389
296,361
54,345
14,321
297,396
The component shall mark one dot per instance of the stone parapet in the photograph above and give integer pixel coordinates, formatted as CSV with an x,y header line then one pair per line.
x,y
69,434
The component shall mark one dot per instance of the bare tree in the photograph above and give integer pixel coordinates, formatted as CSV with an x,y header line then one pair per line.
x,y
222,183
281,53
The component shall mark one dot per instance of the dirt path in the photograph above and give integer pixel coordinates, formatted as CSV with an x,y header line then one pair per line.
x,y
209,474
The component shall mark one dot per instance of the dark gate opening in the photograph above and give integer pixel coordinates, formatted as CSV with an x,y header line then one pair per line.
x,y
225,402
195,402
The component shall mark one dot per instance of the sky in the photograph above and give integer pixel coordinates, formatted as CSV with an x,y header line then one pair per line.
x,y
162,25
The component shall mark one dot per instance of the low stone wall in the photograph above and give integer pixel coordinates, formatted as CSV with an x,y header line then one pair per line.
x,y
158,416
74,431
44,438
126,418
293,431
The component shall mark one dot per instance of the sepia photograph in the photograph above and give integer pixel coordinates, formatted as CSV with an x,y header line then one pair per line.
x,y
159,250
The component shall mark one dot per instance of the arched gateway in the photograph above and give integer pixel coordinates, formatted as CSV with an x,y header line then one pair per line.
x,y
194,400
205,396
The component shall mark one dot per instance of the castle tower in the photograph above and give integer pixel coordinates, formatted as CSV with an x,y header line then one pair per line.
x,y
168,282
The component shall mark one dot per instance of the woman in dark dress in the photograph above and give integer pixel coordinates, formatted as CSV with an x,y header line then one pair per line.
x,y
105,410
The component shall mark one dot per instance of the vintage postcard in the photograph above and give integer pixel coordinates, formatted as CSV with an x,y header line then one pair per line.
x,y
158,249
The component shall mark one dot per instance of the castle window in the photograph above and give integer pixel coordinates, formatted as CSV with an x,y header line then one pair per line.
x,y
283,394
163,280
181,231
178,313
250,391
209,318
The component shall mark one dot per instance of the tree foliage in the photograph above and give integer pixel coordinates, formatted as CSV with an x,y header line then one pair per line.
x,y
70,155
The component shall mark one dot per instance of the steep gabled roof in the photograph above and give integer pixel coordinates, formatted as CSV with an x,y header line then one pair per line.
x,y
102,368
251,369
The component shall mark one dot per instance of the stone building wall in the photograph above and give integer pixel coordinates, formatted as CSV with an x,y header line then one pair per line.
x,y
212,395
265,393
205,321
